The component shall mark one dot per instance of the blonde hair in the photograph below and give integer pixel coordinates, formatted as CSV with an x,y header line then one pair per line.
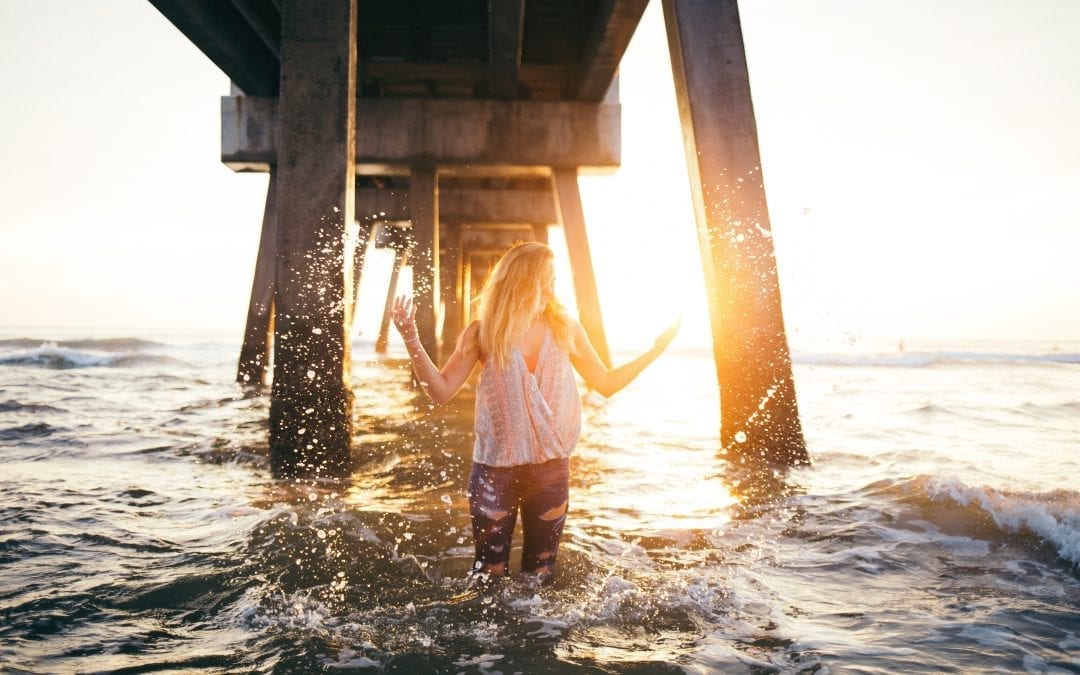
x,y
513,297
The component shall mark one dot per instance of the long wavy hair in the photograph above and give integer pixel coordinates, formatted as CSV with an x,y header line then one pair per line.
x,y
514,295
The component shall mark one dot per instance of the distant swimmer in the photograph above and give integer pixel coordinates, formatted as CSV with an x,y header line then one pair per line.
x,y
528,409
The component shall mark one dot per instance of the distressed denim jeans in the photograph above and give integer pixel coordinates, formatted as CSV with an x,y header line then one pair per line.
x,y
540,492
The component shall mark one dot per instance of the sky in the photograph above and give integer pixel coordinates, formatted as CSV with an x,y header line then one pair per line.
x,y
921,161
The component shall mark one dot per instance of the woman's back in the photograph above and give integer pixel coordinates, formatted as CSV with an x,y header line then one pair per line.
x,y
527,415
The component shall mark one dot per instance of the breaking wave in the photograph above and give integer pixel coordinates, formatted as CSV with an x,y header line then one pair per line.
x,y
56,356
1050,519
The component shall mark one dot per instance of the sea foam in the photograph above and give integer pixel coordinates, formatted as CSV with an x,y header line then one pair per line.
x,y
1053,517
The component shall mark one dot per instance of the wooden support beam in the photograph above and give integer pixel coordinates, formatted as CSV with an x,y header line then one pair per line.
x,y
758,412
401,258
311,398
506,22
258,333
540,232
615,23
424,208
577,243
227,39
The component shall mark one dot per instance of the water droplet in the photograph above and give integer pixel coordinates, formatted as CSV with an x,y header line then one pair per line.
x,y
302,431
321,534
740,437
317,331
446,499
311,374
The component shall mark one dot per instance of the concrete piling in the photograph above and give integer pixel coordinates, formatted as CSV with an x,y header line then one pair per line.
x,y
450,273
401,258
311,400
424,210
568,196
253,367
365,231
758,412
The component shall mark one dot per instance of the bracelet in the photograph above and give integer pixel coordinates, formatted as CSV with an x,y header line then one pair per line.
x,y
414,339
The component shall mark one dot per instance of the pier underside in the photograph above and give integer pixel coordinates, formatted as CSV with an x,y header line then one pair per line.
x,y
446,131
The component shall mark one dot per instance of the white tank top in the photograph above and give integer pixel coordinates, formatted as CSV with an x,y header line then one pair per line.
x,y
527,418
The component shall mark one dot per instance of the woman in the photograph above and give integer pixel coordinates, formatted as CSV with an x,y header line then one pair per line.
x,y
528,410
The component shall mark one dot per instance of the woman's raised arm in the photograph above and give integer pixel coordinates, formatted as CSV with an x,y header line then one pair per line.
x,y
439,385
606,380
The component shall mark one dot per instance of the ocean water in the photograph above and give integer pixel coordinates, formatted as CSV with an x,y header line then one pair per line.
x,y
938,529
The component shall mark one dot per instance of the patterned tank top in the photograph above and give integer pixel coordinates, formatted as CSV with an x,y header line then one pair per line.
x,y
527,418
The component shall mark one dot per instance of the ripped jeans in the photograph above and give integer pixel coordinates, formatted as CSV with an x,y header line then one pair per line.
x,y
496,494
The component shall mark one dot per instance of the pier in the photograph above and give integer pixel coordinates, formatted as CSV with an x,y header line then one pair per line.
x,y
448,130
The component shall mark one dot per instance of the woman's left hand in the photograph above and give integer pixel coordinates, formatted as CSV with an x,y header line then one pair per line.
x,y
668,335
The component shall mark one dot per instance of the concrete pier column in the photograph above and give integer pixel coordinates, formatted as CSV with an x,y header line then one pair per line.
x,y
311,400
450,271
424,210
758,412
259,331
568,196
401,258
364,234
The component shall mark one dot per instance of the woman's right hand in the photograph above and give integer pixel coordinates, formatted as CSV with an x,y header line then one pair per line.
x,y
403,314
